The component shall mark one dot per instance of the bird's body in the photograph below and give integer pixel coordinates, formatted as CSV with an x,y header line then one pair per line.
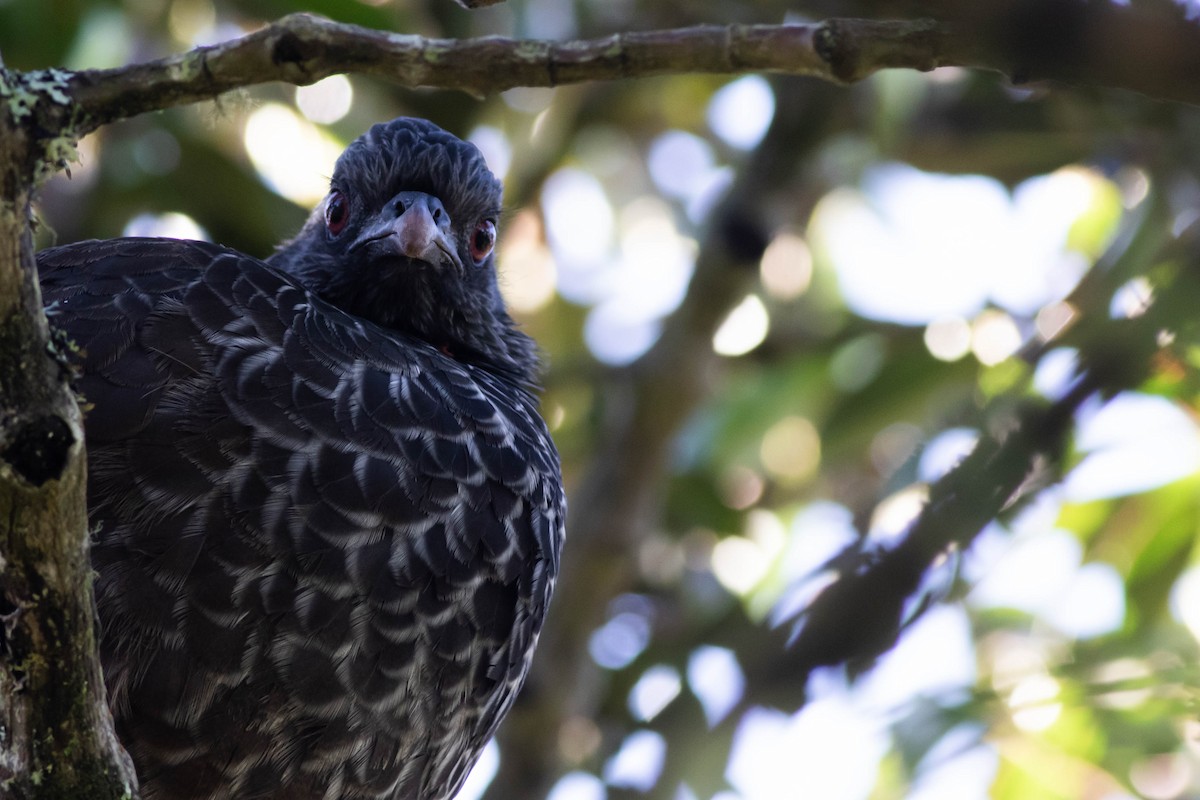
x,y
328,514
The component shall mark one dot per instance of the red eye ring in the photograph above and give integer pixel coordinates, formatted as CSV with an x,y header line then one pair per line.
x,y
483,239
337,212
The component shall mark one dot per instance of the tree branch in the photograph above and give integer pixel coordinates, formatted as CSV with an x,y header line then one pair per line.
x,y
302,49
861,615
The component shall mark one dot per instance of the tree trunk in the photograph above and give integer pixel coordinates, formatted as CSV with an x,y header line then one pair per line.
x,y
56,733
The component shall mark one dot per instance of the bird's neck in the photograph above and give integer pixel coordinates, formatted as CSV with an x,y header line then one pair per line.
x,y
425,308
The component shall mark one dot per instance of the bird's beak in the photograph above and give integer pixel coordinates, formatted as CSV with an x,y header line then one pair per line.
x,y
413,225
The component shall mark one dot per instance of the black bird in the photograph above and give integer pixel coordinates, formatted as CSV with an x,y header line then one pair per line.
x,y
328,515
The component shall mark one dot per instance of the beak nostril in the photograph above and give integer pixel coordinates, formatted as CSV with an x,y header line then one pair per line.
x,y
400,209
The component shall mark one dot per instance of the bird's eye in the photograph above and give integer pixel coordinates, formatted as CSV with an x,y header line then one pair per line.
x,y
483,240
337,212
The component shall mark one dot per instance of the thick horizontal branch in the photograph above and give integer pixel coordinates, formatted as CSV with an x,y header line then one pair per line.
x,y
302,48
1103,47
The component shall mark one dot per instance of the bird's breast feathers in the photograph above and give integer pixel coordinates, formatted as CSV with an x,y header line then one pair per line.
x,y
324,548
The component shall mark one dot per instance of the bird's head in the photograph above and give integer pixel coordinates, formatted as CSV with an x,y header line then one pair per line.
x,y
406,238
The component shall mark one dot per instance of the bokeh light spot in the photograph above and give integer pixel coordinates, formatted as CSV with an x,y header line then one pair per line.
x,y
1056,372
897,511
578,739
906,249
739,564
1133,443
836,747
912,247
620,640
292,156
1033,703
994,337
1091,604
577,786
741,111
528,275
528,99
634,291
639,761
1185,600
817,532
944,452
170,225
744,328
961,772
1053,319
657,687
327,100
935,655
1135,186
791,450
1115,673
579,226
494,145
678,163
716,678
948,338
1162,777
192,21
1132,299
481,775
740,487
616,336
104,41
786,269
1027,573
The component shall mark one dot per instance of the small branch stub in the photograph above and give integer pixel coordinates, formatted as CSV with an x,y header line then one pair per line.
x,y
856,48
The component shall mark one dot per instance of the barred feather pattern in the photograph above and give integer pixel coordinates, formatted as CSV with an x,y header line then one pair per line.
x,y
323,548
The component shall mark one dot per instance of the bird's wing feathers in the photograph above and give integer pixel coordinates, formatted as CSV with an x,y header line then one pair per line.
x,y
341,530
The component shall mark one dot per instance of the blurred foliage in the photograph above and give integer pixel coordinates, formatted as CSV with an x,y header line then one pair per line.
x,y
1118,704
